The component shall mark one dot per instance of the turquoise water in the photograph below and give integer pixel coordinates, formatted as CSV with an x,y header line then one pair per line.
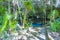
x,y
37,24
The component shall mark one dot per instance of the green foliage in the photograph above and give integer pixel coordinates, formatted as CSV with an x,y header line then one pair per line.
x,y
55,26
1,0
29,6
3,18
54,14
4,23
28,25
2,10
13,24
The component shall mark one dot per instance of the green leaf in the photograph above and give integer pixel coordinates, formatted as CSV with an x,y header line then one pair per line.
x,y
5,22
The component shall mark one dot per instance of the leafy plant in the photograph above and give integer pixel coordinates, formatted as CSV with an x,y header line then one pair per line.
x,y
54,14
2,10
4,23
1,0
28,5
55,26
13,24
28,8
